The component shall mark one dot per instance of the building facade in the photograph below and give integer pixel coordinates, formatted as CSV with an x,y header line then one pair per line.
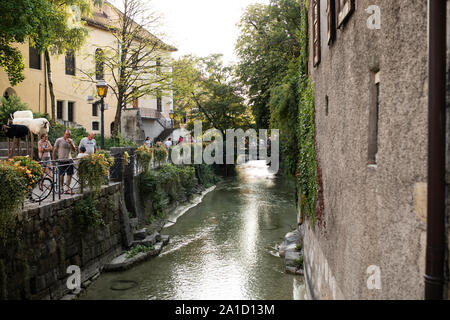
x,y
70,86
368,66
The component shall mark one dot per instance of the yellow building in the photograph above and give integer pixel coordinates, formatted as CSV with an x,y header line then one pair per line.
x,y
71,88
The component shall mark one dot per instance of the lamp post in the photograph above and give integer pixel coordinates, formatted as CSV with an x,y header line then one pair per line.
x,y
102,90
171,114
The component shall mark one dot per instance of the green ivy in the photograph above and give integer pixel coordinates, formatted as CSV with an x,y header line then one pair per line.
x,y
307,179
86,214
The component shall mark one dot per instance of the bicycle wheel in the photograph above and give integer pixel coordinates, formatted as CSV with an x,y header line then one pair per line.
x,y
38,195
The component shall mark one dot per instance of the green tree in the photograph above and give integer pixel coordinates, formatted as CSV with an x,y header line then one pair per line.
x,y
206,90
268,42
58,36
271,54
18,20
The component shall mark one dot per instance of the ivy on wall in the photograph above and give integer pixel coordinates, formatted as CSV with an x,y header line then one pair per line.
x,y
307,176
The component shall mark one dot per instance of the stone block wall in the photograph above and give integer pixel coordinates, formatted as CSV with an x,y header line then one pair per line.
x,y
33,263
373,206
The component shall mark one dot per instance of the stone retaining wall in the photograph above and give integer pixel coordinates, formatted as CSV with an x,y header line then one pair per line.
x,y
33,264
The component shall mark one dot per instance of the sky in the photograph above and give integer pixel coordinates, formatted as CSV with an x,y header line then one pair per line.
x,y
201,27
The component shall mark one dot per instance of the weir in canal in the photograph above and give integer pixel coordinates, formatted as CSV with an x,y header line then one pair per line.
x,y
223,248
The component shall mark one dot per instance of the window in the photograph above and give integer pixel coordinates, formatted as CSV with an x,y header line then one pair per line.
x,y
374,118
316,31
345,9
99,65
70,107
70,63
331,21
35,58
59,110
95,125
8,93
159,102
94,110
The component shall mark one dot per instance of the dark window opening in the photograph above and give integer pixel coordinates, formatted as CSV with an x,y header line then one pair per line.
x,y
95,125
374,117
94,110
70,63
35,58
59,110
159,102
70,111
331,19
326,105
99,65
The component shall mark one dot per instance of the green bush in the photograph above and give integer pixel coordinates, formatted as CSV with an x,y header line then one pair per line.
x,y
167,184
8,107
111,142
205,175
144,156
86,214
93,169
138,249
12,195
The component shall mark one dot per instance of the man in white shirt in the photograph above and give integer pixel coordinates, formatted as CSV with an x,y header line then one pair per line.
x,y
168,143
89,143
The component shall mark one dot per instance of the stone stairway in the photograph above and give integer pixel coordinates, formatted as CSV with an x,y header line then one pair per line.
x,y
4,149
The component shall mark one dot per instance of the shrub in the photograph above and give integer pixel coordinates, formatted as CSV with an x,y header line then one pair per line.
x,y
166,184
12,195
8,107
138,249
144,156
30,170
86,214
93,169
160,154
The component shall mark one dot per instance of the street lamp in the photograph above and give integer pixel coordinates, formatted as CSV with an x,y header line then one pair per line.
x,y
171,115
102,90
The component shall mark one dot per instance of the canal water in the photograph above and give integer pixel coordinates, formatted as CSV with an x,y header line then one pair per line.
x,y
223,248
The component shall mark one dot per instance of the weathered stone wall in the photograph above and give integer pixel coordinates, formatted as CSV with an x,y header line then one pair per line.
x,y
373,214
49,240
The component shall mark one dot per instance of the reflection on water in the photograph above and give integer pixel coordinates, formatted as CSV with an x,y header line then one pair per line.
x,y
223,248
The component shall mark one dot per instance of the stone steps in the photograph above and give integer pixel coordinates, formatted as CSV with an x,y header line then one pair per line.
x,y
155,242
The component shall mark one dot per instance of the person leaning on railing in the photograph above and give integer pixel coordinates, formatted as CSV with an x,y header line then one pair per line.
x,y
63,148
44,148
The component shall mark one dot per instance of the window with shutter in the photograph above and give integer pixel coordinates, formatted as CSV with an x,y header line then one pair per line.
x,y
316,31
70,63
344,10
35,58
331,18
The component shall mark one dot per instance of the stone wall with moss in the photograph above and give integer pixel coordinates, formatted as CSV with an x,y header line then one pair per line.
x,y
49,238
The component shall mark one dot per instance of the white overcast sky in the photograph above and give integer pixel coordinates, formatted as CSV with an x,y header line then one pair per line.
x,y
201,27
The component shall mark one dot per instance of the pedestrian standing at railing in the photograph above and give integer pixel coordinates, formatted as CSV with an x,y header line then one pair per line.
x,y
88,143
148,142
63,148
168,143
44,148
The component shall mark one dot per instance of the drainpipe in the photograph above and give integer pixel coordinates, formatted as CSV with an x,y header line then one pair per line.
x,y
434,274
